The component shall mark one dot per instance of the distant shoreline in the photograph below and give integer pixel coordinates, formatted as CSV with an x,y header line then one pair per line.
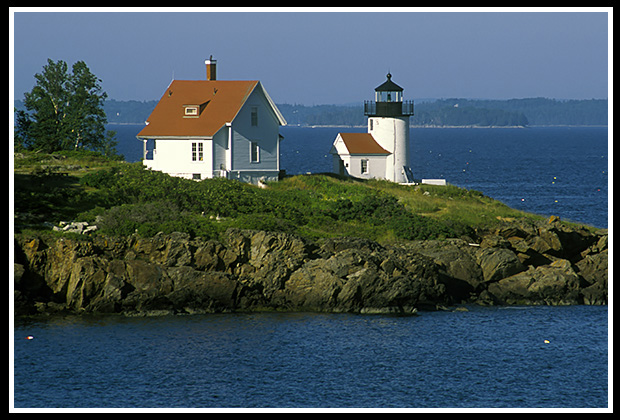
x,y
441,126
425,126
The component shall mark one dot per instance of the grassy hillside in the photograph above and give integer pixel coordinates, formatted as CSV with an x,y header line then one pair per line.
x,y
122,199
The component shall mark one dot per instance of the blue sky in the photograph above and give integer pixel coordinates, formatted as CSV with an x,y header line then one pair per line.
x,y
325,57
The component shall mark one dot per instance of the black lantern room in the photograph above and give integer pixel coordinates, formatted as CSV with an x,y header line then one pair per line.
x,y
388,101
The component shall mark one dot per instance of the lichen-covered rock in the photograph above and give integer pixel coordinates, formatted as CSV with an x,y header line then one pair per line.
x,y
555,284
255,270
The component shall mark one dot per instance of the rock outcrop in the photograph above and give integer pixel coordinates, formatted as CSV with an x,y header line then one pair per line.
x,y
544,263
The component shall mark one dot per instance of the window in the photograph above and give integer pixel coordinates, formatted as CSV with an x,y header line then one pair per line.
x,y
197,152
364,168
254,152
196,177
254,116
191,110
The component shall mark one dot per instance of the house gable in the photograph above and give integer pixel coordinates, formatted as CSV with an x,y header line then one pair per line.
x,y
255,135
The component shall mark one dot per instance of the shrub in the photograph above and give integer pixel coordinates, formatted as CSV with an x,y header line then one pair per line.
x,y
104,178
372,208
148,219
414,227
265,221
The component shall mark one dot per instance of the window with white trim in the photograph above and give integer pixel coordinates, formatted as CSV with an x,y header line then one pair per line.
x,y
364,166
197,152
254,152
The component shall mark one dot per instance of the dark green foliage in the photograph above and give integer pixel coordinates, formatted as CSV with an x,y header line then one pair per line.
x,y
372,208
386,211
266,222
64,111
149,201
104,178
147,219
414,227
125,199
48,195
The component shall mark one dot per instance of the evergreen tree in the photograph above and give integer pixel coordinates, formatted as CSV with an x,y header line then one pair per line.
x,y
64,111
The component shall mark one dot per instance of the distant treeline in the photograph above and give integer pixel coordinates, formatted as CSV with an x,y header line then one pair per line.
x,y
464,112
528,111
441,112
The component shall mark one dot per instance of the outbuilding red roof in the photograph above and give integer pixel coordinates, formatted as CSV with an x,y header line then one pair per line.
x,y
362,144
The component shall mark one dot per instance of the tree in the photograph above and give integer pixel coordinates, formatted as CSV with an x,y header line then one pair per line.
x,y
64,111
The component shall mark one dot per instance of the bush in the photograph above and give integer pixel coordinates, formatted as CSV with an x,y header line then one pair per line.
x,y
104,178
414,227
150,218
374,209
385,210
266,222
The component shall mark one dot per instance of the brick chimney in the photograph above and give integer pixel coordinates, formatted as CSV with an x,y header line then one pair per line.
x,y
210,63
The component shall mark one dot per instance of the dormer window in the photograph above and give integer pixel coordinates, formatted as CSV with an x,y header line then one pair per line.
x,y
194,110
191,111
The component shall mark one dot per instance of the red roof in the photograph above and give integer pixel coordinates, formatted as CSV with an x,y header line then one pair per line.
x,y
362,144
218,102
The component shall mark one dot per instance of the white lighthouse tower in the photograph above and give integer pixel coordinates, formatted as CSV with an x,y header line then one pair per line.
x,y
388,123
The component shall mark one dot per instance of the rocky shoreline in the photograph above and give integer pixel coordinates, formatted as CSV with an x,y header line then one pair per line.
x,y
519,263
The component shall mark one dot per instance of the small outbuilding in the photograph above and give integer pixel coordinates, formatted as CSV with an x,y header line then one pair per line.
x,y
358,155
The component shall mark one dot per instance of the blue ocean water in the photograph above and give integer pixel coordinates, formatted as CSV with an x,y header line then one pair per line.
x,y
493,357
561,171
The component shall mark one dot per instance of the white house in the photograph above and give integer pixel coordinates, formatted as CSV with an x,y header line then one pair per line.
x,y
214,128
383,152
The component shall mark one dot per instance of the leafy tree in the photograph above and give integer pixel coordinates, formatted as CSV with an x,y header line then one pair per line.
x,y
64,111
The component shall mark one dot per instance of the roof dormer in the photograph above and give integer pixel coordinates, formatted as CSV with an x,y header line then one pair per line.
x,y
193,110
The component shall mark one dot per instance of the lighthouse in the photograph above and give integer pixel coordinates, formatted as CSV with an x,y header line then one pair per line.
x,y
382,152
388,122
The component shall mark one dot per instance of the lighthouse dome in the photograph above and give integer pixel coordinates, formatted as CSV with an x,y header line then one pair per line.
x,y
388,86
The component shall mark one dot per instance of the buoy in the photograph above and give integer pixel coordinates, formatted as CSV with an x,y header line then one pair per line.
x,y
29,337
523,199
546,341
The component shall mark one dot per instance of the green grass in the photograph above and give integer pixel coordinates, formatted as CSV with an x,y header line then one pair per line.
x,y
123,199
448,204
